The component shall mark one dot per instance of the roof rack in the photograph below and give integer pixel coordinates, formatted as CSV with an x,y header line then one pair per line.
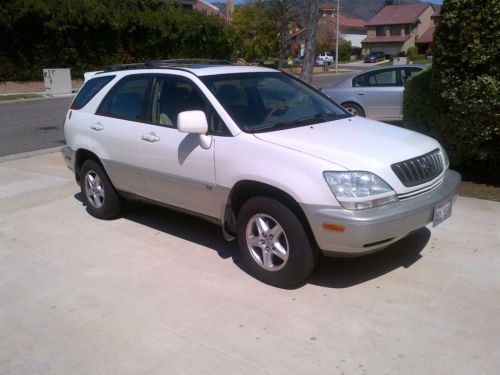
x,y
178,62
166,63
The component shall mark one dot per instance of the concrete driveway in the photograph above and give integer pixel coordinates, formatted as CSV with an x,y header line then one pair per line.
x,y
157,292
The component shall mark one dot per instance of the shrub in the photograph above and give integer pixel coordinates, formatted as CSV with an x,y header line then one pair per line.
x,y
345,50
411,53
87,35
458,102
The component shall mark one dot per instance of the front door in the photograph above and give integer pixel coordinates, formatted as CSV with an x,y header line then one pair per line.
x,y
177,171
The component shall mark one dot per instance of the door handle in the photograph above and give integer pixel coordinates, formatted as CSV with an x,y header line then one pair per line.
x,y
361,93
97,127
150,137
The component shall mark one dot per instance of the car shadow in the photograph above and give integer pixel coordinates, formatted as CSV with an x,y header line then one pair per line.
x,y
330,272
347,272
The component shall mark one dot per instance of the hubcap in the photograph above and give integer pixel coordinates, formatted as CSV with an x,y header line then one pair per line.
x,y
352,111
94,189
267,242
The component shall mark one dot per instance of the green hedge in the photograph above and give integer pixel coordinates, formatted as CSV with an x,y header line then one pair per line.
x,y
458,102
89,34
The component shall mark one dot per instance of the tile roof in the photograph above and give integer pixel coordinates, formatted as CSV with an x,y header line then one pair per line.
x,y
427,36
328,6
386,39
398,14
351,22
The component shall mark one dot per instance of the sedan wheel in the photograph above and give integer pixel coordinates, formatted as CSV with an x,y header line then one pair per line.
x,y
354,109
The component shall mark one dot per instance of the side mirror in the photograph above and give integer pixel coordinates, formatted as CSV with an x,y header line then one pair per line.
x,y
195,122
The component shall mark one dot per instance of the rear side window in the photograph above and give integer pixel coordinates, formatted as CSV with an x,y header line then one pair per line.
x,y
127,99
89,90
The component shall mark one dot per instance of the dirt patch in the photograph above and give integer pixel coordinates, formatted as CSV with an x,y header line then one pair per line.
x,y
480,191
10,87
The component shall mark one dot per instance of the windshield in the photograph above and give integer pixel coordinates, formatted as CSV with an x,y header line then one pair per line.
x,y
271,101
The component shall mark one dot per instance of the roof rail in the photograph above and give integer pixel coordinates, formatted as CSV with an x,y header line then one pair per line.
x,y
114,67
189,62
166,63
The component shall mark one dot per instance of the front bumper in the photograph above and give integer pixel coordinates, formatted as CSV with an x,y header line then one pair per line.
x,y
373,229
69,157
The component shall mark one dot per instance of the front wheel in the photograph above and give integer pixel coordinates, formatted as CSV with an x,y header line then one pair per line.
x,y
273,243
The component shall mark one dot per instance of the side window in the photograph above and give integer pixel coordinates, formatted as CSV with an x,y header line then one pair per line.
x,y
358,81
407,73
381,79
89,90
126,99
172,95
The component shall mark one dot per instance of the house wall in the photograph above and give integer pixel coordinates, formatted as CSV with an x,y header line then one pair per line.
x,y
425,21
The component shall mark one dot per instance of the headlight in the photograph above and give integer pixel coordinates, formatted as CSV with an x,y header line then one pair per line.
x,y
359,190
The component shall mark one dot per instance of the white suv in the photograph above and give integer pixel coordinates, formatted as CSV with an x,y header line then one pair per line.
x,y
276,163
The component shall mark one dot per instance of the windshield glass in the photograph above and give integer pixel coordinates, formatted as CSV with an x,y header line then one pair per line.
x,y
271,101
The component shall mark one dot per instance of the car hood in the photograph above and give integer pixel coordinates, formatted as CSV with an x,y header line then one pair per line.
x,y
354,143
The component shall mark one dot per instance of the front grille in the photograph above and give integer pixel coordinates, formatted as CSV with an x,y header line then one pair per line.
x,y
419,170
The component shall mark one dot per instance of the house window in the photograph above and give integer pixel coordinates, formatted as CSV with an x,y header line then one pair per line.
x,y
396,30
380,31
408,29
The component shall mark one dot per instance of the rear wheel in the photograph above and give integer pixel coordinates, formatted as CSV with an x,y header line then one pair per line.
x,y
354,109
273,243
99,195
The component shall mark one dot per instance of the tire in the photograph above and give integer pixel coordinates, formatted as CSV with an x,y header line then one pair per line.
x,y
354,109
289,258
101,199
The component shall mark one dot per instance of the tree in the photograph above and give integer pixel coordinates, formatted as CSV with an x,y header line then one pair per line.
x,y
310,46
326,34
283,13
255,31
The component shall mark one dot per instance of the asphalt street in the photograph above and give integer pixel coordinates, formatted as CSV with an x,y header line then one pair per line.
x,y
29,125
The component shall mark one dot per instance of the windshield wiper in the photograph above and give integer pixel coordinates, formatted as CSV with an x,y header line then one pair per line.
x,y
300,121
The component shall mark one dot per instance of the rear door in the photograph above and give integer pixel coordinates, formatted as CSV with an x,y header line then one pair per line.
x,y
117,130
379,93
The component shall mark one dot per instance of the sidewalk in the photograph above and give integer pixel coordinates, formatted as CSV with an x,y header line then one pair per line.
x,y
158,292
30,87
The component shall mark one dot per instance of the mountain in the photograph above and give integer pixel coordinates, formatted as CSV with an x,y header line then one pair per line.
x,y
363,9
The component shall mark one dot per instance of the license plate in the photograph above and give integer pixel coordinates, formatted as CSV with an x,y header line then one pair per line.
x,y
441,212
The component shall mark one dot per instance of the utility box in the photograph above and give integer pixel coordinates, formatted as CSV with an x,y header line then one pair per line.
x,y
400,61
57,81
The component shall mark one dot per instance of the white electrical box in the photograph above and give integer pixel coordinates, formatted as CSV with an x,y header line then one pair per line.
x,y
57,81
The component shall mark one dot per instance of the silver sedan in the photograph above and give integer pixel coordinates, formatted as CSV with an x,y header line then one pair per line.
x,y
375,93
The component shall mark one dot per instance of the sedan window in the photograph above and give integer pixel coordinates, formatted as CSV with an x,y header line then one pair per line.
x,y
382,78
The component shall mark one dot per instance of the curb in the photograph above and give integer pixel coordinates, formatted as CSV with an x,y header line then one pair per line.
x,y
43,97
29,154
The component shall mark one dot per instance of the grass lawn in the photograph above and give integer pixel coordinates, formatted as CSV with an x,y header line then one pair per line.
x,y
4,98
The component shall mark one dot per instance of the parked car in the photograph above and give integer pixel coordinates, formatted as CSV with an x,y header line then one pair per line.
x,y
277,164
298,60
374,57
376,93
327,57
321,62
